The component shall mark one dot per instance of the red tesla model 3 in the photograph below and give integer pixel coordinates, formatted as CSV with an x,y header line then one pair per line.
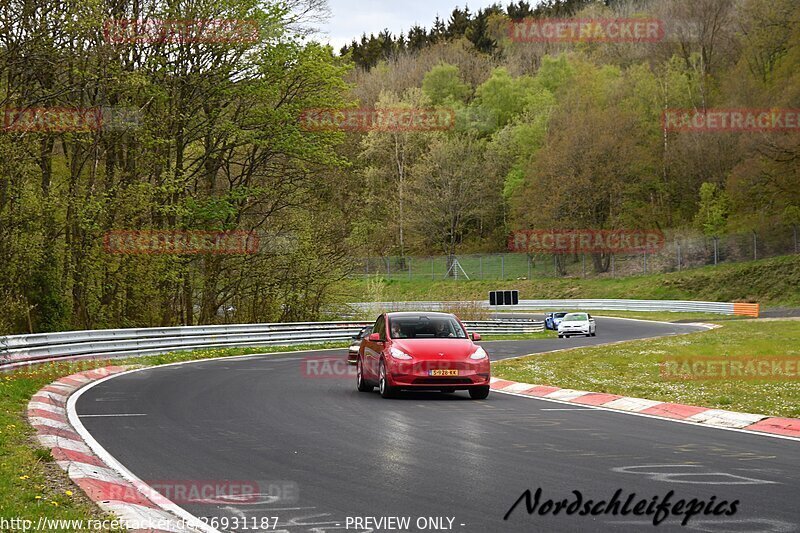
x,y
422,351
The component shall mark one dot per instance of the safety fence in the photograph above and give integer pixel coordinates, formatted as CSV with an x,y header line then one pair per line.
x,y
16,350
723,308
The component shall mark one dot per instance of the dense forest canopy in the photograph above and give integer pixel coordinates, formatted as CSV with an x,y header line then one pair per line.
x,y
546,135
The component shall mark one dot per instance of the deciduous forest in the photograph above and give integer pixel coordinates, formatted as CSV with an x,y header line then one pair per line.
x,y
546,135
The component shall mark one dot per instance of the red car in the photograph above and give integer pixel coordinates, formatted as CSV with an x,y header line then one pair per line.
x,y
422,351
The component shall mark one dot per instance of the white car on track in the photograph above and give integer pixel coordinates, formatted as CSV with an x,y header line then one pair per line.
x,y
577,324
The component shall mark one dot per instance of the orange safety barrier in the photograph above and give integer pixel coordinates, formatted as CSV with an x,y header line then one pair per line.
x,y
745,309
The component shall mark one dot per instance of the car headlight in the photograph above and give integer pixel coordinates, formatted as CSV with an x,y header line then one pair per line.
x,y
399,354
480,353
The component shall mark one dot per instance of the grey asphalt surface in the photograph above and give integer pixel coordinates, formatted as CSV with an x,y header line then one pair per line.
x,y
323,452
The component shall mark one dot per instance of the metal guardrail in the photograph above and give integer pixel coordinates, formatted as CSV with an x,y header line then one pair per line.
x,y
17,350
724,308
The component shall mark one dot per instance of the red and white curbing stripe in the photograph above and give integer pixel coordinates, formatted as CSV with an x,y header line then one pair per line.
x,y
788,427
132,501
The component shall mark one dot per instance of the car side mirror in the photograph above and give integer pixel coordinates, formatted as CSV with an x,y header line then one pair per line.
x,y
374,337
475,336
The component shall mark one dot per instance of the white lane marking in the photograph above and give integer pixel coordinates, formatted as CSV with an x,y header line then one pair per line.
x,y
115,414
645,415
118,467
567,409
675,477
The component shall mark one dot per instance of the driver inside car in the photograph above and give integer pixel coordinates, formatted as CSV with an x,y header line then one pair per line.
x,y
442,330
396,334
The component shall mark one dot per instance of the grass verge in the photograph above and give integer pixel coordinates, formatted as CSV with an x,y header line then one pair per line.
x,y
771,282
546,334
633,369
31,484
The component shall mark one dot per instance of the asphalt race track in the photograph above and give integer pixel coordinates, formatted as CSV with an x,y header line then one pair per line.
x,y
322,452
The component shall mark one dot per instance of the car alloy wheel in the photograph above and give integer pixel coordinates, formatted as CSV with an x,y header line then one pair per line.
x,y
387,391
363,386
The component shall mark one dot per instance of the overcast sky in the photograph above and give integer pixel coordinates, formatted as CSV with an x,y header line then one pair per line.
x,y
350,18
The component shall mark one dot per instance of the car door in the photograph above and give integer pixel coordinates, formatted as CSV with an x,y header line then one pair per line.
x,y
373,349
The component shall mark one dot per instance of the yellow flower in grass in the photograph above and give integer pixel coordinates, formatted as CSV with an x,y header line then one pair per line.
x,y
23,478
68,493
54,503
38,497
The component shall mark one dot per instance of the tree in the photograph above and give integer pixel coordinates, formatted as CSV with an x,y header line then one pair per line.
x,y
446,191
712,212
442,84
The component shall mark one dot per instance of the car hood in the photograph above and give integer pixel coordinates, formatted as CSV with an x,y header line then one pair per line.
x,y
441,349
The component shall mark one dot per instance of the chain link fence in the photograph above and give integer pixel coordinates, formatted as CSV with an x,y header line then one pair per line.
x,y
680,252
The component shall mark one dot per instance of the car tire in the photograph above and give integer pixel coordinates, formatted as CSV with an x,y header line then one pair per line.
x,y
561,336
479,393
386,390
361,383
594,334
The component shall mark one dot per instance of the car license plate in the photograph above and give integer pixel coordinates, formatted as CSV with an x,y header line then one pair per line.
x,y
439,373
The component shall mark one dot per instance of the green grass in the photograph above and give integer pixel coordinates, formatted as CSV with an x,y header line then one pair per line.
x,y
771,282
31,484
546,334
632,368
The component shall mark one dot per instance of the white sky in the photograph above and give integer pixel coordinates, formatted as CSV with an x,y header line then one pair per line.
x,y
350,18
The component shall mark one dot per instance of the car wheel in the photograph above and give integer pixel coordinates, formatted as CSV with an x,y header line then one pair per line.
x,y
479,393
594,334
387,391
561,336
363,386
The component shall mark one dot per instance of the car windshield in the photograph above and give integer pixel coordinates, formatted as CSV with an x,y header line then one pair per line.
x,y
426,327
560,315
575,317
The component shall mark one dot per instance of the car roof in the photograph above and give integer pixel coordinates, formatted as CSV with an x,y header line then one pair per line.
x,y
418,313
